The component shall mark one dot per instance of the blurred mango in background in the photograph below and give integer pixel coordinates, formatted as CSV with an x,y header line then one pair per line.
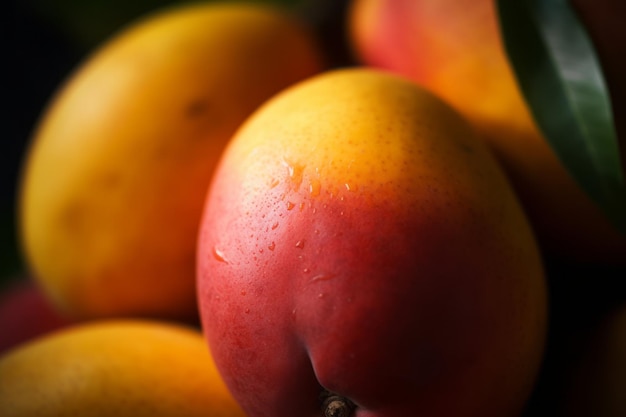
x,y
118,167
46,40
103,369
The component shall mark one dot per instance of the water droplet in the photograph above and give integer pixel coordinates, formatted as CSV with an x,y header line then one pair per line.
x,y
300,244
320,295
322,277
271,246
306,270
274,226
301,206
290,205
243,292
247,311
314,188
273,182
219,255
295,173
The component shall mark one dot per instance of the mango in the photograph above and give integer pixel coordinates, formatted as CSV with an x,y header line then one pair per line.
x,y
454,48
115,177
362,253
125,368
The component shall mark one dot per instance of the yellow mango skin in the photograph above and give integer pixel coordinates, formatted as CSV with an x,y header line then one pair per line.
x,y
114,368
118,168
454,49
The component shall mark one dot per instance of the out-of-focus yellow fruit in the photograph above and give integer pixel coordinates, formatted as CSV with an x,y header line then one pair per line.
x,y
114,368
118,169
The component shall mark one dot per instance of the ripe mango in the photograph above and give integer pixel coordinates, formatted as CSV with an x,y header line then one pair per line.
x,y
124,368
454,48
361,250
115,178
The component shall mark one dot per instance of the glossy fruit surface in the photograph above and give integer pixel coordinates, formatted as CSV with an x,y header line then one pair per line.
x,y
114,182
358,241
114,368
454,49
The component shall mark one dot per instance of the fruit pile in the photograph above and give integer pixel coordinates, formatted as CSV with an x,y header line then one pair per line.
x,y
219,221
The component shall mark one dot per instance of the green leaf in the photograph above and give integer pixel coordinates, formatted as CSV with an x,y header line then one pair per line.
x,y
561,79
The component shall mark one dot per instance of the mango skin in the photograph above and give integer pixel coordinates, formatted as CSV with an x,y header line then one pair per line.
x,y
359,239
114,368
114,182
454,49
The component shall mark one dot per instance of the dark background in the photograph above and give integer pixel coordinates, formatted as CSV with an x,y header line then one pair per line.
x,y
40,54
